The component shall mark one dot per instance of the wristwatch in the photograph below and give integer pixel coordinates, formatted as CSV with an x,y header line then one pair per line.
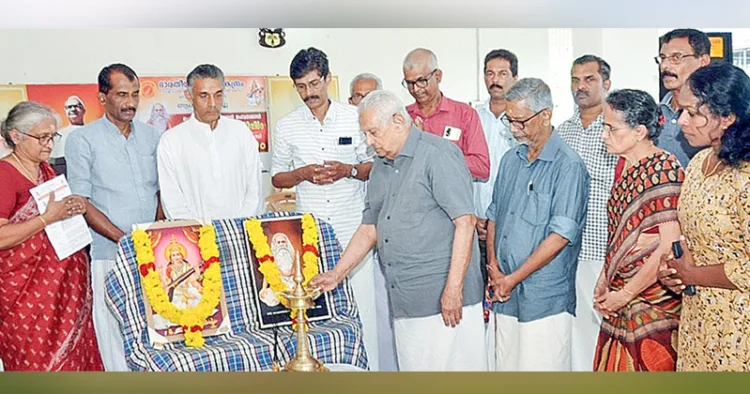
x,y
354,172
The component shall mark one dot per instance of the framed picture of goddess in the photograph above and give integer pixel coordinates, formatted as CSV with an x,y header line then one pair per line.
x,y
181,272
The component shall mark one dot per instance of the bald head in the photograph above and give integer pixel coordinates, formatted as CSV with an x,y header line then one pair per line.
x,y
422,76
75,110
420,58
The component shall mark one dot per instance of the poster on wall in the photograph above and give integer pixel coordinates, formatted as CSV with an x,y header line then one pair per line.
x,y
76,104
163,103
283,98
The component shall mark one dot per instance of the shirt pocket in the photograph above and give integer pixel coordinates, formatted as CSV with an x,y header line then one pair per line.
x,y
148,169
537,209
345,148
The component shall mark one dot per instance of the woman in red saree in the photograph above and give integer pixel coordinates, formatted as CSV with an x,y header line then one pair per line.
x,y
641,315
45,302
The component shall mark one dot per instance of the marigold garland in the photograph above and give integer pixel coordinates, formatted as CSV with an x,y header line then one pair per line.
x,y
192,320
267,262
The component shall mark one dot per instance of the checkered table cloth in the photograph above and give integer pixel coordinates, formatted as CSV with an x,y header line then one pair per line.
x,y
247,348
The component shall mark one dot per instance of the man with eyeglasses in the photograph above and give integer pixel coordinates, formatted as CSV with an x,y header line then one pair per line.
x,y
362,85
75,111
320,151
112,162
589,84
536,219
682,52
436,114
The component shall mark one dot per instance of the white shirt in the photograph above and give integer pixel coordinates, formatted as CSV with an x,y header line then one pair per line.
x,y
59,149
205,174
4,150
499,141
300,139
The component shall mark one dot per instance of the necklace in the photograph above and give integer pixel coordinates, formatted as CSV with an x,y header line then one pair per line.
x,y
25,170
713,170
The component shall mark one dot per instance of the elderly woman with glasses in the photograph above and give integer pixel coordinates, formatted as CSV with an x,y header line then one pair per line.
x,y
714,211
640,314
45,302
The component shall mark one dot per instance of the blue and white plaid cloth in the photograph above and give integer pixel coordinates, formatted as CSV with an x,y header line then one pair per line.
x,y
247,348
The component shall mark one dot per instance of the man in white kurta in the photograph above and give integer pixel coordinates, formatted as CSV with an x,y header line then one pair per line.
x,y
209,165
320,151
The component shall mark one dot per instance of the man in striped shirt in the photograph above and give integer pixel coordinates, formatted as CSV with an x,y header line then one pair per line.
x,y
320,151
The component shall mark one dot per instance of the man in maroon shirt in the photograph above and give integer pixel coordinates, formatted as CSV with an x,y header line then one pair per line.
x,y
441,116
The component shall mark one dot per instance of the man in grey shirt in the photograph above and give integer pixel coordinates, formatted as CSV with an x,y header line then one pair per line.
x,y
419,211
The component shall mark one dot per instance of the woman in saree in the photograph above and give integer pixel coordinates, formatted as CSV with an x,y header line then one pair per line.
x,y
715,216
45,302
640,314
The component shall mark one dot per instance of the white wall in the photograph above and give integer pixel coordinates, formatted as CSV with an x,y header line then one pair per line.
x,y
76,56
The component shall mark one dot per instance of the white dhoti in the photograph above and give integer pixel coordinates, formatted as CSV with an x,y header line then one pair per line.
x,y
540,345
362,281
489,342
587,321
386,341
426,344
108,332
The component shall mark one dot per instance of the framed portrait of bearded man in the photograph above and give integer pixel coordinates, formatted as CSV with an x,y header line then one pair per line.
x,y
284,237
181,281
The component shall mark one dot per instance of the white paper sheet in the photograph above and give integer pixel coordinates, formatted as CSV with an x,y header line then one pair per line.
x,y
67,236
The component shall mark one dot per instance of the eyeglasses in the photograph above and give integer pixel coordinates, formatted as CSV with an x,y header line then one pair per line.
x,y
314,85
676,58
520,124
609,129
420,83
45,140
74,106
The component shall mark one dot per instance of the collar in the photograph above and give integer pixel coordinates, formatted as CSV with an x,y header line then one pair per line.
x,y
487,109
549,151
330,114
578,121
195,123
445,105
410,146
113,127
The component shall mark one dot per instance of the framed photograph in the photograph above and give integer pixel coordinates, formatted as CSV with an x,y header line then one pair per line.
x,y
180,266
284,235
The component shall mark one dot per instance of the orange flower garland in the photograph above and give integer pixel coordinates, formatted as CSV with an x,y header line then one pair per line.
x,y
267,263
192,320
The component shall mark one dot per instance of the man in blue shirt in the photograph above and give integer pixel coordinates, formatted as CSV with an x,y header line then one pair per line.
x,y
112,162
682,52
536,220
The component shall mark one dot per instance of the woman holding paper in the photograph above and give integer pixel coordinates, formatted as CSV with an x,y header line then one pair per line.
x,y
45,302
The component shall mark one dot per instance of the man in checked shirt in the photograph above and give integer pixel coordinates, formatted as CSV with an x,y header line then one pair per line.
x,y
589,83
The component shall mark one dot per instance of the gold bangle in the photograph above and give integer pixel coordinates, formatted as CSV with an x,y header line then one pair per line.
x,y
43,221
628,292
